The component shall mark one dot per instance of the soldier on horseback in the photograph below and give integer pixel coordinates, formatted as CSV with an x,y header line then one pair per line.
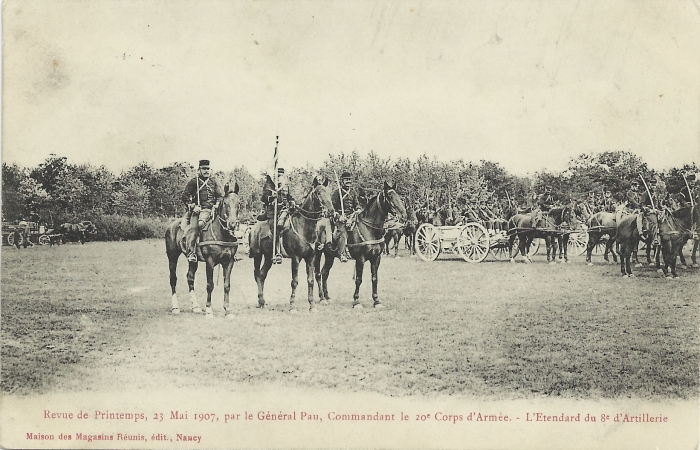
x,y
353,200
202,195
609,202
352,197
545,201
283,199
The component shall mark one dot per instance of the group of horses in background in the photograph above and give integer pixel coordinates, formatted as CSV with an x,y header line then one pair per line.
x,y
625,233
311,232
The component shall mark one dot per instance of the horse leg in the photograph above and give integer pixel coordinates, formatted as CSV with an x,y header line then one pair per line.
x,y
525,248
649,252
593,239
609,250
613,247
172,264
191,271
210,287
227,267
549,243
696,244
294,284
565,247
260,276
319,280
359,267
310,279
374,268
683,265
328,264
397,239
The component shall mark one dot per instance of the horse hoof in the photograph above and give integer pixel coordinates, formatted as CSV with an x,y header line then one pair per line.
x,y
175,311
624,275
196,310
633,275
378,306
669,277
590,263
313,310
512,261
293,311
358,306
324,302
659,271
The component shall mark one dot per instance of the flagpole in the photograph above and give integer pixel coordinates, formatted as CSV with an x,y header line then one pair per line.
x,y
274,191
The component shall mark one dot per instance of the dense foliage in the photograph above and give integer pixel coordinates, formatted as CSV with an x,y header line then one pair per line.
x,y
133,204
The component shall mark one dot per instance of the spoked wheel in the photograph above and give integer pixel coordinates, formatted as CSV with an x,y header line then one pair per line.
x,y
428,243
534,246
44,239
11,239
578,242
500,252
473,243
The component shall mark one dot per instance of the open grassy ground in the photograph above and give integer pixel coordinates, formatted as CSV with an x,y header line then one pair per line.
x,y
80,318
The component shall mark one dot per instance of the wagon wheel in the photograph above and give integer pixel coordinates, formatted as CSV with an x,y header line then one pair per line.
x,y
11,239
428,243
577,242
534,247
473,243
44,239
500,252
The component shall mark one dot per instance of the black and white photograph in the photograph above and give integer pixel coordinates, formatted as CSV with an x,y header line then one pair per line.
x,y
350,224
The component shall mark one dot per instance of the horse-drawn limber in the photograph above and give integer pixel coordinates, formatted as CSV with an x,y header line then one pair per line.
x,y
38,234
472,241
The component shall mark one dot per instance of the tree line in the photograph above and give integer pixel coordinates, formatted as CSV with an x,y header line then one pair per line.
x,y
60,191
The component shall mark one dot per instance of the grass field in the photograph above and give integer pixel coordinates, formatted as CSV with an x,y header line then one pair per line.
x,y
81,317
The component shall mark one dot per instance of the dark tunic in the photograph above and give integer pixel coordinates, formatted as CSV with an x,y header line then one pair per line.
x,y
352,200
209,192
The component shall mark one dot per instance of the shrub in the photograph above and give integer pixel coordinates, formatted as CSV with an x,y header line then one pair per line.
x,y
125,228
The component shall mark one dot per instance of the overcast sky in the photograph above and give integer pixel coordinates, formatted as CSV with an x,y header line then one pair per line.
x,y
528,84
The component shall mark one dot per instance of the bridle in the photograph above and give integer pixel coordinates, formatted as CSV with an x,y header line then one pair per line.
x,y
310,215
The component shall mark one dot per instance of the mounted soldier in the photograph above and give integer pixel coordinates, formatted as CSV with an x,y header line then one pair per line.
x,y
688,192
201,196
353,197
278,199
544,203
609,202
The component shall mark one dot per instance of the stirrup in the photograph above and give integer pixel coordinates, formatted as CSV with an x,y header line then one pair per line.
x,y
278,259
192,257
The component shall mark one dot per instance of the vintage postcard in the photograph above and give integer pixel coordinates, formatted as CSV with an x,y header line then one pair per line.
x,y
333,224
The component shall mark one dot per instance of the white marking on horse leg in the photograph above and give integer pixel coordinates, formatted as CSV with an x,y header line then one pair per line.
x,y
174,306
195,305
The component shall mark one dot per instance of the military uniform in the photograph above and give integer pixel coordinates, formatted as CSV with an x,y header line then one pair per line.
x,y
204,192
609,204
545,201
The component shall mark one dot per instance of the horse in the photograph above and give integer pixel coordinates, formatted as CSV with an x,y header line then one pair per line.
x,y
218,246
694,214
299,237
329,249
627,237
601,224
520,226
394,232
674,232
409,231
562,217
366,237
77,232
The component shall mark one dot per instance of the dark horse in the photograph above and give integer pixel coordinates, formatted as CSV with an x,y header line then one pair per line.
x,y
627,236
366,237
394,232
601,224
218,245
299,238
329,249
674,232
563,219
695,223
520,226
77,232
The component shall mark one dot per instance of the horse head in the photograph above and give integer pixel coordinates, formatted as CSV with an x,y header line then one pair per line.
x,y
228,209
390,202
318,200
